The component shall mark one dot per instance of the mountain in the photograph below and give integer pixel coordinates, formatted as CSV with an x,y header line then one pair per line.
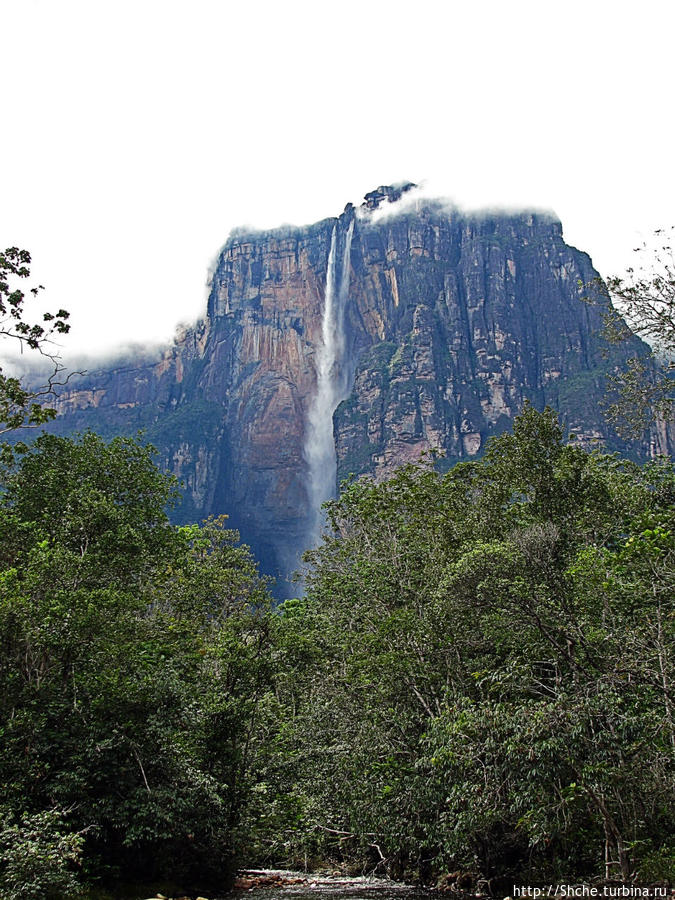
x,y
353,345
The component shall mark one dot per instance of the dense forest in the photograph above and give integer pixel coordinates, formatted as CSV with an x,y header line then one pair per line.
x,y
475,685
478,677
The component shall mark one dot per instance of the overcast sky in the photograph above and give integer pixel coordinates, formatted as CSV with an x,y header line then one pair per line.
x,y
136,134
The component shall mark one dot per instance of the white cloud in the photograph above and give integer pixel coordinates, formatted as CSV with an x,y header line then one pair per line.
x,y
141,133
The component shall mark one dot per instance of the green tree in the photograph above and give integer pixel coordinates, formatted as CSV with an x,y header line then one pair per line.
x,y
480,676
22,406
39,856
134,655
644,305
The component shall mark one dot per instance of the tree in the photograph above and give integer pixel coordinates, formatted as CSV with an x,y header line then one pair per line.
x,y
480,676
133,658
644,305
22,407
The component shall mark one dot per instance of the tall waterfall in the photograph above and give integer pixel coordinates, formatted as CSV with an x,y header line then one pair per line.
x,y
332,384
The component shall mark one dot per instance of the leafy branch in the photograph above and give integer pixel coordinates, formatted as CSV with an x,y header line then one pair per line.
x,y
21,406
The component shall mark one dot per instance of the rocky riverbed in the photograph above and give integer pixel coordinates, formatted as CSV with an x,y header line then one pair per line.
x,y
274,884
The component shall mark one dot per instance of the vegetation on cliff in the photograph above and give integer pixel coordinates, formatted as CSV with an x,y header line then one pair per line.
x,y
644,304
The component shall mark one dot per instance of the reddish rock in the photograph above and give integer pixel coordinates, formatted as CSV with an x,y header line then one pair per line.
x,y
452,321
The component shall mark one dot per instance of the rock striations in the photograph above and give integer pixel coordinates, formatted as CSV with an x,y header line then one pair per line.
x,y
439,325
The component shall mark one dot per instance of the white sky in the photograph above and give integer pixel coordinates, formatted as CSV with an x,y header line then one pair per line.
x,y
136,134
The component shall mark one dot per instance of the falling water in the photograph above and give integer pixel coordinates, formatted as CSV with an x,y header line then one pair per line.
x,y
332,385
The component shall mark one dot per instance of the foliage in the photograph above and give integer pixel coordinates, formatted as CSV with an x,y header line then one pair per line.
x,y
480,675
37,857
20,406
644,305
133,658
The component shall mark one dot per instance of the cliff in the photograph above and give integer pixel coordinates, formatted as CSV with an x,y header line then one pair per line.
x,y
426,326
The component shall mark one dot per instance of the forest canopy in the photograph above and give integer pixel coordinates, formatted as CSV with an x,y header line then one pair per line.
x,y
476,687
478,678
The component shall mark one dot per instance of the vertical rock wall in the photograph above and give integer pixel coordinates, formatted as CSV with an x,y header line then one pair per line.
x,y
451,321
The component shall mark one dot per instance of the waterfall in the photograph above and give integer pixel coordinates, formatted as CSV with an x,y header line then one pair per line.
x,y
332,385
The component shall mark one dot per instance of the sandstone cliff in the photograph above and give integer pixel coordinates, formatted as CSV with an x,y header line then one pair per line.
x,y
450,322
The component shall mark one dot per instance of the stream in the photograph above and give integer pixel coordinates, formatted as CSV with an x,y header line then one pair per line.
x,y
301,886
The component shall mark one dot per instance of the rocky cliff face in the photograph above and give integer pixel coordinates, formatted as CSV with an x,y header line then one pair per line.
x,y
449,323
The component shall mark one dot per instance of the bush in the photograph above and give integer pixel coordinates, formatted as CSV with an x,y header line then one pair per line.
x,y
37,857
